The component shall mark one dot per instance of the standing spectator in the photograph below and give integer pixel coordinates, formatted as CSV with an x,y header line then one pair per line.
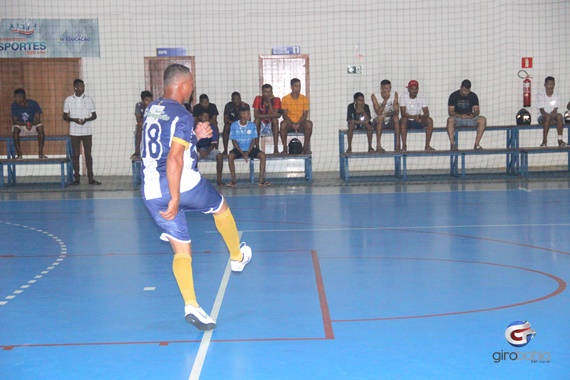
x,y
296,116
79,111
207,148
244,138
386,113
548,104
172,185
266,114
358,116
146,99
205,105
463,109
231,114
27,121
415,115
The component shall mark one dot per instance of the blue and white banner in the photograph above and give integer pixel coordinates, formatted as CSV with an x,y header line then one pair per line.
x,y
49,38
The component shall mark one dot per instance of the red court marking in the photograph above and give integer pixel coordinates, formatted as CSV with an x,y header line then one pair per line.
x,y
322,296
479,238
560,289
327,324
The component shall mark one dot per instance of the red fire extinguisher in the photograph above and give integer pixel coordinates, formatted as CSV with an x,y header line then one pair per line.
x,y
526,88
526,92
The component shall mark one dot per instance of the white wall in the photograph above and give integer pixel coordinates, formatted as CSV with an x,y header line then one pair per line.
x,y
437,42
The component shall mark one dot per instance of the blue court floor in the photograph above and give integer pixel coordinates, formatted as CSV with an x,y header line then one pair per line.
x,y
345,283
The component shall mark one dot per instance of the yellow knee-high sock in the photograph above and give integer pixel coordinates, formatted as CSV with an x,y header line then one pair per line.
x,y
182,268
226,225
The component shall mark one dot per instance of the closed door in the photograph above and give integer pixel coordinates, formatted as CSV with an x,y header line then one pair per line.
x,y
278,70
154,70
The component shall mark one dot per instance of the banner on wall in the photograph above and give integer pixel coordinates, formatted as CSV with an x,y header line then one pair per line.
x,y
49,38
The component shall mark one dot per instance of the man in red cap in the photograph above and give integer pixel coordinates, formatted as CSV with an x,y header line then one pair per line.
x,y
415,114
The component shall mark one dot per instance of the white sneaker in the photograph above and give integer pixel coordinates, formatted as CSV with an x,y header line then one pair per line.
x,y
237,266
199,318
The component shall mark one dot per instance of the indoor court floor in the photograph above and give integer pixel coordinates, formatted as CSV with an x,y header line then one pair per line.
x,y
353,282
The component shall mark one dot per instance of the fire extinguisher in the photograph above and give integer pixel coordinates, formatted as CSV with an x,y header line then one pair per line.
x,y
526,88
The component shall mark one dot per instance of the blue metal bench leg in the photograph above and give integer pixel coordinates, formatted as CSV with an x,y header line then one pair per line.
x,y
251,171
309,169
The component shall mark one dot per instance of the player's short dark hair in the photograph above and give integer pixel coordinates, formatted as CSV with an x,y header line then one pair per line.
x,y
173,72
358,95
295,80
243,109
203,112
146,94
20,91
203,97
385,81
466,84
235,93
549,78
266,85
78,82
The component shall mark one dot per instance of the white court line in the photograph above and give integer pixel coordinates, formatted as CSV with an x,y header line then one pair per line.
x,y
525,189
207,337
388,228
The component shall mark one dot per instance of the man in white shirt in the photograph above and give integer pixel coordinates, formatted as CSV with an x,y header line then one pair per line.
x,y
548,104
79,111
415,114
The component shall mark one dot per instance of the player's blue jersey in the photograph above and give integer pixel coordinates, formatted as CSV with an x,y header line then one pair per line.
x,y
165,122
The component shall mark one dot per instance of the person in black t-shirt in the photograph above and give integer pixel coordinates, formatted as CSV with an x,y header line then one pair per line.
x,y
463,109
205,105
358,116
231,114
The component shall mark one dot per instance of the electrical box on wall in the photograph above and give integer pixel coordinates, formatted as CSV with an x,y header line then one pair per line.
x,y
354,69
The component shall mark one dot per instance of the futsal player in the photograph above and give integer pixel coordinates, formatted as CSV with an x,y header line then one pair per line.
x,y
171,185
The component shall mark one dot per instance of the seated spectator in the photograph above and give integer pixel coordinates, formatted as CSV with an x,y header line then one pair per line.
x,y
207,149
548,103
386,113
266,113
463,109
27,121
231,114
296,116
358,116
415,115
140,107
244,139
205,105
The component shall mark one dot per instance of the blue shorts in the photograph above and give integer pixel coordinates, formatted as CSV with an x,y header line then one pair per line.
x,y
552,120
412,124
202,198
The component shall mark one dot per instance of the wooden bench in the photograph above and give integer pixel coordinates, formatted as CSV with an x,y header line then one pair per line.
x,y
524,153
456,158
307,158
136,165
11,163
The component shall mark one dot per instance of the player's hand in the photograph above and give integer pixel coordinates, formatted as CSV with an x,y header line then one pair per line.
x,y
171,211
203,153
246,157
203,130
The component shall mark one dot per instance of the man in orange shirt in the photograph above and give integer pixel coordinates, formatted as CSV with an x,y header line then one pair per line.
x,y
295,116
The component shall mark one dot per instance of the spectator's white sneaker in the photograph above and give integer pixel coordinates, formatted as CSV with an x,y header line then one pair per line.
x,y
199,318
237,266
